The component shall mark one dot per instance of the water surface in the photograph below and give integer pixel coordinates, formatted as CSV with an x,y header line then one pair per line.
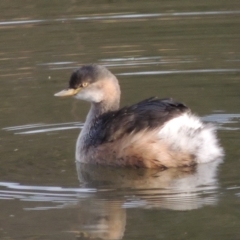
x,y
187,50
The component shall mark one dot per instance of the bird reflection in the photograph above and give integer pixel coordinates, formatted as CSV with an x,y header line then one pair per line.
x,y
104,216
101,220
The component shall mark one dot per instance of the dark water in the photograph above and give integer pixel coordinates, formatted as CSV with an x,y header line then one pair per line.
x,y
189,50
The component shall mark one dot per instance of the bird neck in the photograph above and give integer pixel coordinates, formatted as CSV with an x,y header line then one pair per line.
x,y
110,102
96,110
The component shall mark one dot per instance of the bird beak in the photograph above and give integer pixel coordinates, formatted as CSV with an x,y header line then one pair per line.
x,y
67,92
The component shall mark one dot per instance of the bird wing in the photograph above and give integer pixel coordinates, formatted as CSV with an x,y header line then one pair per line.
x,y
150,113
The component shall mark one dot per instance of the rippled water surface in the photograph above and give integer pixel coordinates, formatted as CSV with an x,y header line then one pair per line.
x,y
189,50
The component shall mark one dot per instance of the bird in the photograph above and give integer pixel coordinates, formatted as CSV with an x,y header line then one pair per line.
x,y
153,133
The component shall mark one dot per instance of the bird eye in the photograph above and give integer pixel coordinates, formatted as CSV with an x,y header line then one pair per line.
x,y
84,84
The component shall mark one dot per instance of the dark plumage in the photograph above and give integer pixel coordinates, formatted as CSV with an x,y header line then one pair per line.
x,y
88,73
149,113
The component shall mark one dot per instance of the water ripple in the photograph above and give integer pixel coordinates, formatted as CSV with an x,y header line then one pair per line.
x,y
179,72
21,22
54,194
135,61
122,16
43,128
12,185
222,119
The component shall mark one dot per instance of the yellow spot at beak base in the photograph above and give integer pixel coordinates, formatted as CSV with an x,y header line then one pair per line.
x,y
67,92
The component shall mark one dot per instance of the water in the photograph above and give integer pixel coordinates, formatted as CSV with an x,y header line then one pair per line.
x,y
188,50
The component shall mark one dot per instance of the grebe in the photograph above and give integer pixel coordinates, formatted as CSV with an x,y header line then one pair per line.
x,y
154,133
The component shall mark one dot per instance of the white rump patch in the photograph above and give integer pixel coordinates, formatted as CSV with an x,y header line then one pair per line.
x,y
189,134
